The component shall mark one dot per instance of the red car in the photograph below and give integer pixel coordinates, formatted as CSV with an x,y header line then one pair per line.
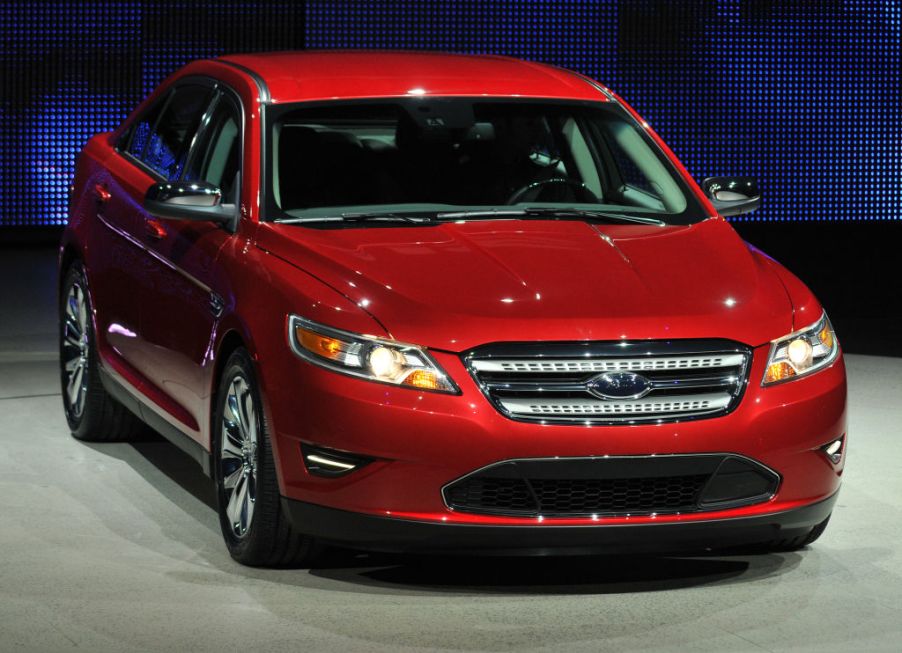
x,y
428,302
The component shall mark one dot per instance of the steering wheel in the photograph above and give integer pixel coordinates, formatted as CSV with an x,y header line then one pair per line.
x,y
534,190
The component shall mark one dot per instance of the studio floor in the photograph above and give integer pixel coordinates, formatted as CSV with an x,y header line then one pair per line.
x,y
117,548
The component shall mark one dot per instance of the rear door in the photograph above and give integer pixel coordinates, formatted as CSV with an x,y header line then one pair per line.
x,y
116,271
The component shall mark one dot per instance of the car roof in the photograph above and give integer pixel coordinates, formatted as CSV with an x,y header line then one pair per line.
x,y
320,75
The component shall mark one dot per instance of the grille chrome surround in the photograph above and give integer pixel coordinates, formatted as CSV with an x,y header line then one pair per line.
x,y
615,365
550,382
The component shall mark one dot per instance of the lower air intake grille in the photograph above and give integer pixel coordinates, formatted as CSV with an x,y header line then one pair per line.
x,y
612,486
618,495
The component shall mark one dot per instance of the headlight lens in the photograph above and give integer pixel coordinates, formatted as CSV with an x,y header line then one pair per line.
x,y
802,353
367,357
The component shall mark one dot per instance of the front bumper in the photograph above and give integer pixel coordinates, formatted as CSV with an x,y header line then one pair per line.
x,y
389,534
422,442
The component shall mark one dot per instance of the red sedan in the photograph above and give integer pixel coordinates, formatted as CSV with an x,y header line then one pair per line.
x,y
442,303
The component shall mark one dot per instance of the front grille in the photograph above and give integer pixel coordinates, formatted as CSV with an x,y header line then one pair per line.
x,y
618,495
559,382
612,486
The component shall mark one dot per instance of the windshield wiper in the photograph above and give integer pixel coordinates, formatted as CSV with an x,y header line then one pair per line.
x,y
375,216
550,212
615,216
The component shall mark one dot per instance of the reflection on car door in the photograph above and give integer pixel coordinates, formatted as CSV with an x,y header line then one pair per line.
x,y
116,195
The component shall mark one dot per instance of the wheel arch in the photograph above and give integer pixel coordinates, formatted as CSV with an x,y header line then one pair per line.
x,y
69,253
230,340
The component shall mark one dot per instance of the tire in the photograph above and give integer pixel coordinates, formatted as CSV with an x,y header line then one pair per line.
x,y
256,530
802,541
93,415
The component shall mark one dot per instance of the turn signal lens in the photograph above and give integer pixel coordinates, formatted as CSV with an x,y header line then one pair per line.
x,y
802,353
825,335
423,379
779,372
318,344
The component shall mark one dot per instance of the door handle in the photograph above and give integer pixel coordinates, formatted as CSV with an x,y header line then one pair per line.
x,y
102,193
155,229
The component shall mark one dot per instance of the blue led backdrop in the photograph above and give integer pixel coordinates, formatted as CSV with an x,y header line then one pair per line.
x,y
803,95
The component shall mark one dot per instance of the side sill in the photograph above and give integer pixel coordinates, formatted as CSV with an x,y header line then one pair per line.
x,y
200,455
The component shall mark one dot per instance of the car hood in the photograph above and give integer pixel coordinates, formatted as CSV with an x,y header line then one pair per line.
x,y
457,285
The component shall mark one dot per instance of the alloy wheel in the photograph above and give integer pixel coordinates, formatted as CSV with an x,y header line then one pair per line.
x,y
238,455
76,349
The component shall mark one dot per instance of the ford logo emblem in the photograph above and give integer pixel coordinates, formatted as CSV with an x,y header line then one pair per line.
x,y
619,385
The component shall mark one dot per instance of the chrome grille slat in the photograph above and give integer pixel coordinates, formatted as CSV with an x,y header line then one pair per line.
x,y
676,384
667,405
551,382
636,364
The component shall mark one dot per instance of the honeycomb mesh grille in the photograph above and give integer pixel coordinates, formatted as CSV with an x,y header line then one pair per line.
x,y
612,485
575,497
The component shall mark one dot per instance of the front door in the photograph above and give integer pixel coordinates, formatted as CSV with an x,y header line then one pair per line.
x,y
183,301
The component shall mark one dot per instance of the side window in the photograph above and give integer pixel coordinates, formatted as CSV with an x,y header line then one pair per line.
x,y
631,175
642,180
582,156
140,130
169,140
216,157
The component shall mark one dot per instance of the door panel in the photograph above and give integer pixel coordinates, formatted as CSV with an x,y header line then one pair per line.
x,y
179,317
157,150
115,194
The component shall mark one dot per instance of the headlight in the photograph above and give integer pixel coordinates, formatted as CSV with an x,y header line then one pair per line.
x,y
366,357
802,352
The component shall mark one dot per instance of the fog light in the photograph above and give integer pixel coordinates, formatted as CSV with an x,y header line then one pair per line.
x,y
330,463
834,450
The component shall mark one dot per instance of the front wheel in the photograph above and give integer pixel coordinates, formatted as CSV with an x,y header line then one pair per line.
x,y
804,540
256,531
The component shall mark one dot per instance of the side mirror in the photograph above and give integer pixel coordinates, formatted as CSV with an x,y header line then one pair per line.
x,y
732,195
187,200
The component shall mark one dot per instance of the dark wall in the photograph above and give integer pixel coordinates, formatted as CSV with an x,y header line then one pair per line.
x,y
71,69
853,268
804,95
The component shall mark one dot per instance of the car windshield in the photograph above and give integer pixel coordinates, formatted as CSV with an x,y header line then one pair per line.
x,y
466,158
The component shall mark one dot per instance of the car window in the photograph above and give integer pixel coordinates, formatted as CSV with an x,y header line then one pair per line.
x,y
450,153
216,156
169,140
635,170
140,130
